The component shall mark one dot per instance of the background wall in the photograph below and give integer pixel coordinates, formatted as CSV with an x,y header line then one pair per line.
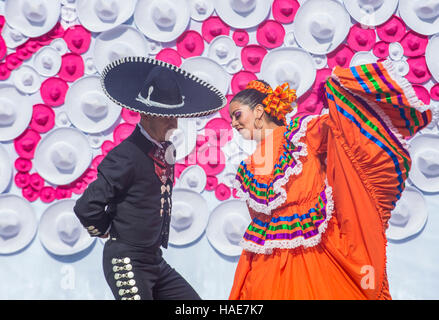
x,y
36,273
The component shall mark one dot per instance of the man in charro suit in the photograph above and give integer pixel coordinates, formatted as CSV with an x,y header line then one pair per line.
x,y
130,201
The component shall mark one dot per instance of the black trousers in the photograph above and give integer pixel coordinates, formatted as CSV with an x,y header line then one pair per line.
x,y
136,274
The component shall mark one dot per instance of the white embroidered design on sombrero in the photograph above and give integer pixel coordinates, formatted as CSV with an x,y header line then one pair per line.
x,y
152,103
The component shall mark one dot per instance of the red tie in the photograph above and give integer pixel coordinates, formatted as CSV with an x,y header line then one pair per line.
x,y
164,159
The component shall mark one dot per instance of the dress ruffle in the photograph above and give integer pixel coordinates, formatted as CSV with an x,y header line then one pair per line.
x,y
359,151
265,193
386,109
291,231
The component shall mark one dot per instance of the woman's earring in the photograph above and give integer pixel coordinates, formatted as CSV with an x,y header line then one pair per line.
x,y
258,123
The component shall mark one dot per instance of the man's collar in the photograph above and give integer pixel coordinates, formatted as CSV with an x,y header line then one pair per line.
x,y
147,136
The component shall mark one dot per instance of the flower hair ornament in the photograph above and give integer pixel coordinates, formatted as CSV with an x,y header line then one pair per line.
x,y
278,102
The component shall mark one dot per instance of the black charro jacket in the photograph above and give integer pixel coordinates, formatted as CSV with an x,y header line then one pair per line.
x,y
126,197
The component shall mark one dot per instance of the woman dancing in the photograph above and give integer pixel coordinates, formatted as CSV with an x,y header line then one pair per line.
x,y
321,188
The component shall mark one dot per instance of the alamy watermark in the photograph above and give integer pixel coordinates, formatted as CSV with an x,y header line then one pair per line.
x,y
68,277
368,280
208,152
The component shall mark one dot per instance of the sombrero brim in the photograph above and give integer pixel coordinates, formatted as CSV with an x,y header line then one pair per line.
x,y
201,174
45,167
232,50
408,14
301,28
122,80
17,79
124,35
144,20
431,56
198,16
416,176
5,169
24,117
17,20
373,18
91,21
214,231
28,219
76,114
418,216
235,20
55,58
201,212
300,58
363,57
48,234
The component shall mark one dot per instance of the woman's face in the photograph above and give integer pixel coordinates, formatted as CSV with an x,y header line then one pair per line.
x,y
243,119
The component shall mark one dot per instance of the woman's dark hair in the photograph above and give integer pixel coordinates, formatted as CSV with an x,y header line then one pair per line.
x,y
252,98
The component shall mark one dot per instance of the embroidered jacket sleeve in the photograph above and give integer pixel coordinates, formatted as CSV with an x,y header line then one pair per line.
x,y
115,176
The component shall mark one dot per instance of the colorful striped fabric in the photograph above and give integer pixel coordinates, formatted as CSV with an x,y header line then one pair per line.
x,y
357,152
383,106
380,86
266,196
290,230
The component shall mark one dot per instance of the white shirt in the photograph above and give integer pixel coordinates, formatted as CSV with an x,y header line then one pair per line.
x,y
147,136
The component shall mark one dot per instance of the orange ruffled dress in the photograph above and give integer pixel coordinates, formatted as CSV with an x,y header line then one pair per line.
x,y
320,191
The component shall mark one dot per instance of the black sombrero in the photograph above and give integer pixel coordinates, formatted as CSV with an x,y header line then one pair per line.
x,y
158,88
